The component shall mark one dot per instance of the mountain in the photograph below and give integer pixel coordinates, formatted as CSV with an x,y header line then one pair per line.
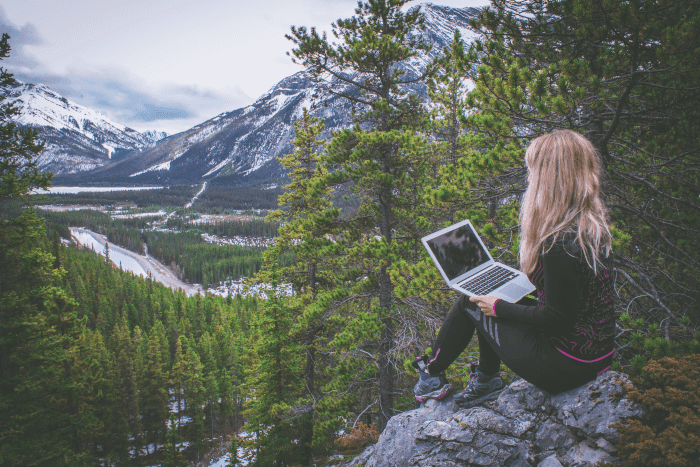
x,y
155,136
76,138
241,146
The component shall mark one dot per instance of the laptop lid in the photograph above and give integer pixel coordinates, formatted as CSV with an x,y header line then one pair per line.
x,y
457,251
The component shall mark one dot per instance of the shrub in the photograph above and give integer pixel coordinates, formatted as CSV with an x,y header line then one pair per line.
x,y
358,438
669,434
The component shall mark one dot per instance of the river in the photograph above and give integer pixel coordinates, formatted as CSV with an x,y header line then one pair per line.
x,y
142,265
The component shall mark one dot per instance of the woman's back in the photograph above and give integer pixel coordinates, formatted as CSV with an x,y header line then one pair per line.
x,y
585,326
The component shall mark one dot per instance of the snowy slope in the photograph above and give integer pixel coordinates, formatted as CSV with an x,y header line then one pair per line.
x,y
242,145
76,138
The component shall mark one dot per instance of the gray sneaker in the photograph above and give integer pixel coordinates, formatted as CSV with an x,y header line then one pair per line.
x,y
476,392
429,387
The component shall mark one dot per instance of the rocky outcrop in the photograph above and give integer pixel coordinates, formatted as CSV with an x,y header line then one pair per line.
x,y
524,427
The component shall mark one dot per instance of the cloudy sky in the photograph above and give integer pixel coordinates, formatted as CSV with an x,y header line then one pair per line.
x,y
162,64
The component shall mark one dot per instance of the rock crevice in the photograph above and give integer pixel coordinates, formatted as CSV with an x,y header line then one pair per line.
x,y
524,427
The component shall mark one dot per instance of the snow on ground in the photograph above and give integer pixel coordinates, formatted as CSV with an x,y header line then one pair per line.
x,y
92,189
235,287
162,166
218,218
119,259
110,149
75,207
80,207
140,214
239,241
204,187
243,459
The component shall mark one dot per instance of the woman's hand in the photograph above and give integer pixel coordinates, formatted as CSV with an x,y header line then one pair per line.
x,y
485,302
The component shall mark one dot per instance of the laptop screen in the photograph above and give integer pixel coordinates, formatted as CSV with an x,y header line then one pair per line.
x,y
458,251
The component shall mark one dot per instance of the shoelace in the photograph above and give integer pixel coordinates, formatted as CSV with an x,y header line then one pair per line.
x,y
473,377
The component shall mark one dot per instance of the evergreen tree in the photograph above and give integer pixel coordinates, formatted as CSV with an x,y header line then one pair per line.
x,y
91,397
37,318
154,394
172,457
233,460
128,415
380,161
20,147
210,375
195,398
178,378
271,385
305,213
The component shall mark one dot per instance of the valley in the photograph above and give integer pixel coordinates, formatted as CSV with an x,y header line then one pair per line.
x,y
124,230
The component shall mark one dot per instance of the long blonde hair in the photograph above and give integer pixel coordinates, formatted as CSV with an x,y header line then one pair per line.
x,y
563,197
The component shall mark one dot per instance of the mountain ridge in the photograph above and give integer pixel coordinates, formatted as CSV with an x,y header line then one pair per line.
x,y
76,138
241,146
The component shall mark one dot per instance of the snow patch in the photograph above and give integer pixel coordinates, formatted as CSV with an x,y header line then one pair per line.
x,y
204,187
110,149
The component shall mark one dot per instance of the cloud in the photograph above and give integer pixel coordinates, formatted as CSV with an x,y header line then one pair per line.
x,y
116,93
19,37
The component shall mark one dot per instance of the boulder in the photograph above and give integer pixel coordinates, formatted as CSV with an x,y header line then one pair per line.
x,y
524,427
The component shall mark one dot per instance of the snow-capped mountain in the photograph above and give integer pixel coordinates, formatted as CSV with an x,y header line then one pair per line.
x,y
154,135
241,146
76,138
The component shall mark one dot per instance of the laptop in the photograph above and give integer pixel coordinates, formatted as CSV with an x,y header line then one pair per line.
x,y
467,266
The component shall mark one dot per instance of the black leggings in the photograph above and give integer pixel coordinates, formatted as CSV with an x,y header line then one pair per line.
x,y
523,348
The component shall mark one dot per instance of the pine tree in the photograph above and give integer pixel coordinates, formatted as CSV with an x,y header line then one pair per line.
x,y
37,318
233,460
271,384
91,397
195,398
306,213
154,394
380,161
172,457
209,376
178,378
20,147
128,415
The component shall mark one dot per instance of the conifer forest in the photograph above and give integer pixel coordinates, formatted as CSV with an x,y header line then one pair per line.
x,y
311,355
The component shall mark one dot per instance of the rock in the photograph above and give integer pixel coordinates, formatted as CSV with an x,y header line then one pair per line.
x,y
524,427
395,450
551,461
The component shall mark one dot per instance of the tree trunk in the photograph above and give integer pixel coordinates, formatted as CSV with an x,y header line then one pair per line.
x,y
386,370
308,424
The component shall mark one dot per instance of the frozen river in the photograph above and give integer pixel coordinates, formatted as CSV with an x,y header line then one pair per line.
x,y
129,261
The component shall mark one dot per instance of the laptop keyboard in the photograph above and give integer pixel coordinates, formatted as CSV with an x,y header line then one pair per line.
x,y
488,281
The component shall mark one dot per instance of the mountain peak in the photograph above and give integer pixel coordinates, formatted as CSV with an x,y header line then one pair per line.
x,y
76,137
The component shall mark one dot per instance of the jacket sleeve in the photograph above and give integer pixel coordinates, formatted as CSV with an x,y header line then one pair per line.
x,y
562,285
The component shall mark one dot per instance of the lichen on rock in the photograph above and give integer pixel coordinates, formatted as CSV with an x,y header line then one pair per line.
x,y
524,427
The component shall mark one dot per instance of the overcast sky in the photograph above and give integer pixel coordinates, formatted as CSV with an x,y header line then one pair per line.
x,y
162,64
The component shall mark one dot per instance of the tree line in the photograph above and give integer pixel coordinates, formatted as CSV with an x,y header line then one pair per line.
x,y
174,196
256,227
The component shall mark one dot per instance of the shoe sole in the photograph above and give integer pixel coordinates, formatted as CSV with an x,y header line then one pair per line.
x,y
487,397
437,395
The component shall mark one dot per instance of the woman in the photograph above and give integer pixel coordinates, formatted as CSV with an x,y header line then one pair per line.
x,y
565,338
